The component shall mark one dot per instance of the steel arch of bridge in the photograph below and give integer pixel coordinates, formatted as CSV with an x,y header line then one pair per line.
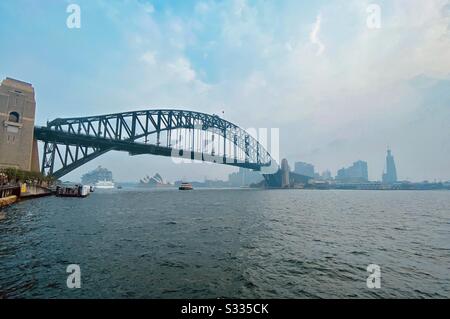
x,y
72,142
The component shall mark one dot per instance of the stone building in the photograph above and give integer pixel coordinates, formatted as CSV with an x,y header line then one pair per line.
x,y
18,148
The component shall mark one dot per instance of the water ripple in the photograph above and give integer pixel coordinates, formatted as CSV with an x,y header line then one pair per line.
x,y
228,244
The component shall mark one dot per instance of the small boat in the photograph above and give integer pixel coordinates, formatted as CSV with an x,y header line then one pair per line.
x,y
185,187
104,184
119,187
72,191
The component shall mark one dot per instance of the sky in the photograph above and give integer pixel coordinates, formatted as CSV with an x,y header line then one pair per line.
x,y
340,86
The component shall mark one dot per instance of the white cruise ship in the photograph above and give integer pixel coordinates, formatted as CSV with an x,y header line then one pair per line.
x,y
104,185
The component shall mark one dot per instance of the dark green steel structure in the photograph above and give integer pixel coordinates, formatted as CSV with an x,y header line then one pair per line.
x,y
72,142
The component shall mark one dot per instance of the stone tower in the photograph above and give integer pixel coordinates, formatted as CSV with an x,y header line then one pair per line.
x,y
285,174
18,148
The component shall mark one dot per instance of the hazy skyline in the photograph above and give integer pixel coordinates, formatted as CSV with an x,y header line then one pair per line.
x,y
338,90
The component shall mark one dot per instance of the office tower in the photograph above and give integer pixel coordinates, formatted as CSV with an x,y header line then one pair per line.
x,y
304,169
358,172
390,174
326,175
245,177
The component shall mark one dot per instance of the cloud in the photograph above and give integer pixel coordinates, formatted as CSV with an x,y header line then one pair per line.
x,y
148,8
241,57
181,68
149,57
202,7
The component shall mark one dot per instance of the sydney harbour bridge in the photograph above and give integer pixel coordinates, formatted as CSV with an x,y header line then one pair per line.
x,y
71,142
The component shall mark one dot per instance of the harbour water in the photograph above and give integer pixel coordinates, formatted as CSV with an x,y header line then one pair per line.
x,y
135,243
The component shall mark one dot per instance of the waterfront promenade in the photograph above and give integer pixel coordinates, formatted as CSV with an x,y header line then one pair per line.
x,y
9,195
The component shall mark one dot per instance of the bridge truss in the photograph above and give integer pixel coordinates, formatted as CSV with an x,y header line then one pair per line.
x,y
72,142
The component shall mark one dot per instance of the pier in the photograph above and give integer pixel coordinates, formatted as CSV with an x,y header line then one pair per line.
x,y
9,195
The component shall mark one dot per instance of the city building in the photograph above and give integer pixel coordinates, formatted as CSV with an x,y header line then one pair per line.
x,y
18,149
390,174
356,173
244,177
326,176
304,169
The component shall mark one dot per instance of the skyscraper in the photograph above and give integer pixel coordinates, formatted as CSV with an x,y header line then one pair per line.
x,y
358,172
326,175
390,175
245,177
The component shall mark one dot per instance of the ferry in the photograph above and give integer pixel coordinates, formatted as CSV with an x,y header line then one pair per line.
x,y
72,191
104,185
186,187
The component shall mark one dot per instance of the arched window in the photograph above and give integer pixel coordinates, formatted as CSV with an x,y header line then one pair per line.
x,y
14,117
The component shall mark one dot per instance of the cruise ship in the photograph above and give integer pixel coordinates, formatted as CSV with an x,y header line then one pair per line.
x,y
100,178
